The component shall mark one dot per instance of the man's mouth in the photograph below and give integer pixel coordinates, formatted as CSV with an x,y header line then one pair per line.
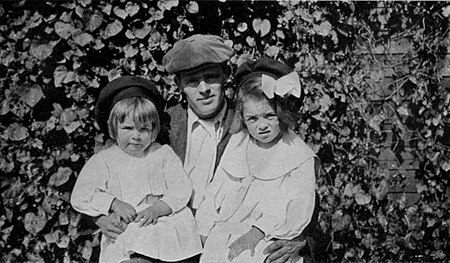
x,y
206,98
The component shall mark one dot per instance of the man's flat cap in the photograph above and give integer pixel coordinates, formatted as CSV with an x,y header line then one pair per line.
x,y
122,88
195,51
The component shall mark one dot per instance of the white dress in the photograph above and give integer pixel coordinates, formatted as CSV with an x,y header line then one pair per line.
x,y
278,199
113,173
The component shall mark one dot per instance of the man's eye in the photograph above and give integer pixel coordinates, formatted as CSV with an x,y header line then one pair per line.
x,y
211,78
191,81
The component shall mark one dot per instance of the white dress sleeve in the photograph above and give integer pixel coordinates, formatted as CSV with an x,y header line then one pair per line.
x,y
207,213
90,195
179,187
287,211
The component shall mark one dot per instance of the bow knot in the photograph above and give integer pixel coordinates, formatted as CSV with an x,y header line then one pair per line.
x,y
284,86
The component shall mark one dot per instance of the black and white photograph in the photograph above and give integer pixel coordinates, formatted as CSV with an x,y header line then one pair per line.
x,y
224,131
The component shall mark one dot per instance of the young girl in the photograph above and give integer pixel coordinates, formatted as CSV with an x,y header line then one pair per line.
x,y
139,180
264,187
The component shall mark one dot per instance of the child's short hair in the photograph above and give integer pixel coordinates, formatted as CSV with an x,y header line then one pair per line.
x,y
141,110
251,89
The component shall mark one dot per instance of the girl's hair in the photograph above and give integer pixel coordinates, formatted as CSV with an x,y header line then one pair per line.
x,y
251,89
141,110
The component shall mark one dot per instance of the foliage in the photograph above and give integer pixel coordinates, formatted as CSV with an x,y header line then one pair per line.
x,y
373,72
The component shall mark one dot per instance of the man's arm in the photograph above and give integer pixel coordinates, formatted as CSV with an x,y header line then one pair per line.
x,y
311,244
110,225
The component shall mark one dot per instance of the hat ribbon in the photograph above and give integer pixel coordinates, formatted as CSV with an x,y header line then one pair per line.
x,y
284,86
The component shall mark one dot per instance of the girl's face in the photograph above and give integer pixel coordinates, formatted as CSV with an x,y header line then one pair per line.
x,y
261,121
133,139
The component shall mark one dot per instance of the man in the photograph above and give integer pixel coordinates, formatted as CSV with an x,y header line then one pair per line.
x,y
200,130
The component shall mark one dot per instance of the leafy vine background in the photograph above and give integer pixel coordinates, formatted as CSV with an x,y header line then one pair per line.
x,y
376,76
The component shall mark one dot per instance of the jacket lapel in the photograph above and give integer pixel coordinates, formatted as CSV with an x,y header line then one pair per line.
x,y
178,130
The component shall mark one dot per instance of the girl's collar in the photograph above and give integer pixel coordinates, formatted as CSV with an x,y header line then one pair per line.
x,y
291,152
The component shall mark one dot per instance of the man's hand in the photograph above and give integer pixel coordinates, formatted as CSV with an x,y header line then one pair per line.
x,y
124,210
248,240
111,226
281,251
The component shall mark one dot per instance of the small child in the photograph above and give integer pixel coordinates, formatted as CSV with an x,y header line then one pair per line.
x,y
264,187
139,180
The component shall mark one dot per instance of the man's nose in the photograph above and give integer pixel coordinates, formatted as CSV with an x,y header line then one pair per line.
x,y
203,87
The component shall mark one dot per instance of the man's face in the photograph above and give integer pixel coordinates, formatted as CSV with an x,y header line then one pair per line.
x,y
204,89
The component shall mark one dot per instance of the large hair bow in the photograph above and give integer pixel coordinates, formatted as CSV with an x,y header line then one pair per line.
x,y
284,86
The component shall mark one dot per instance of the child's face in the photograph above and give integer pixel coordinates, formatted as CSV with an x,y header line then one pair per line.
x,y
133,139
261,121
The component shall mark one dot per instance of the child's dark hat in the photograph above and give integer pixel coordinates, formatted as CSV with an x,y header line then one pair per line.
x,y
195,51
255,68
122,88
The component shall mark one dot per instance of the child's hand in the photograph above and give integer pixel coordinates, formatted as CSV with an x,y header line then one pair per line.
x,y
124,210
248,240
147,216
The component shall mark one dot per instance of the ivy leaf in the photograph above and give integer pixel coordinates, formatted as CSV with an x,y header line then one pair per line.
x,y
16,132
62,76
60,177
52,237
325,103
95,21
323,29
14,191
192,7
446,166
34,223
63,242
242,27
130,51
446,11
131,9
41,51
112,29
32,95
362,199
261,26
120,12
403,110
68,121
155,15
280,34
63,218
64,30
83,39
250,41
305,15
272,51
85,3
167,4
86,252
142,32
376,121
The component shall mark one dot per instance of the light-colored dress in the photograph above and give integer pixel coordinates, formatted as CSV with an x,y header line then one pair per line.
x,y
113,173
277,196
